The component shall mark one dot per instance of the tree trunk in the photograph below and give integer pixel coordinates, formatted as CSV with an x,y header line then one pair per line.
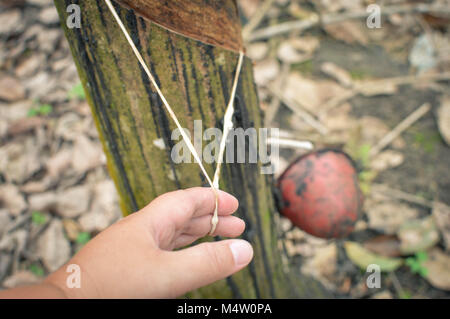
x,y
196,79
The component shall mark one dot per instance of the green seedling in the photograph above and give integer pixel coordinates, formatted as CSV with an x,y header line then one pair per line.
x,y
427,140
415,263
363,154
365,180
305,67
43,109
358,74
38,218
77,92
405,295
37,270
83,238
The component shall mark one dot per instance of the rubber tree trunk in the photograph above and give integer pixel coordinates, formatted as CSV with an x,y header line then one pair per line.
x,y
196,78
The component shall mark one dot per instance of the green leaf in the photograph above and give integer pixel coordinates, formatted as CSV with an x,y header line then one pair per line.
x,y
45,109
363,154
421,256
38,218
77,92
415,263
363,258
423,271
405,295
32,112
418,235
37,270
83,238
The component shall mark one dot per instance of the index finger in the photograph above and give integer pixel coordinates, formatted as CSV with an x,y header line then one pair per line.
x,y
193,202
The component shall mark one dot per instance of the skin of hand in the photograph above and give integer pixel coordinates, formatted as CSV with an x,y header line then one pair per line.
x,y
134,257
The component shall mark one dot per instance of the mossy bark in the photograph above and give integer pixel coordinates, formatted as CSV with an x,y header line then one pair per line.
x,y
196,79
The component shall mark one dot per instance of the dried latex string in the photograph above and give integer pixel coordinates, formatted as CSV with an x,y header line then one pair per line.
x,y
228,123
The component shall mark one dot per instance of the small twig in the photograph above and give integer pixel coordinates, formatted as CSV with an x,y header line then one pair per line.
x,y
283,142
275,103
400,128
256,19
397,194
357,87
326,19
286,27
298,110
412,79
397,286
336,101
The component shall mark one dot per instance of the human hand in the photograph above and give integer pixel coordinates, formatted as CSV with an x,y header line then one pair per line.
x,y
134,259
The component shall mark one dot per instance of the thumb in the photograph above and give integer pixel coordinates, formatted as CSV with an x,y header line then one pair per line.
x,y
203,264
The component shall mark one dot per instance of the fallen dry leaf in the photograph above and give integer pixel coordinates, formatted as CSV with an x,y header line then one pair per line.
x,y
53,247
306,44
422,55
438,266
20,160
72,228
375,87
266,71
289,54
388,216
336,72
323,264
21,278
374,129
363,258
59,162
11,199
383,295
386,159
86,154
417,235
310,94
25,125
385,245
16,111
42,201
104,210
70,203
257,50
11,89
348,31
68,126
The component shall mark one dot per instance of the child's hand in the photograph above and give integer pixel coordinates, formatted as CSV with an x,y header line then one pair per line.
x,y
133,258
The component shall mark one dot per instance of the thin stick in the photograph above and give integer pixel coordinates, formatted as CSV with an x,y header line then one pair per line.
x,y
290,143
357,87
297,109
300,25
275,103
256,19
410,79
227,126
397,194
398,287
400,128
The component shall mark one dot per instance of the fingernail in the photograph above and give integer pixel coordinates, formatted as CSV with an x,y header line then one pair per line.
x,y
242,252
